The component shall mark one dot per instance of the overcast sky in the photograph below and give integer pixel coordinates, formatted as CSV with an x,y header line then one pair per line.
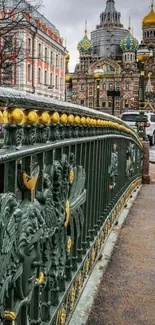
x,y
69,18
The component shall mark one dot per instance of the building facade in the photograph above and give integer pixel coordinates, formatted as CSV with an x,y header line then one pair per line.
x,y
40,66
112,50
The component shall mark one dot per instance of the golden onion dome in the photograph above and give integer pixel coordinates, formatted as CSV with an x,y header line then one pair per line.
x,y
149,19
67,57
68,78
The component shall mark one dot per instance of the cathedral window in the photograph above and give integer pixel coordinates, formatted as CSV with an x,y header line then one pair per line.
x,y
82,87
82,101
127,86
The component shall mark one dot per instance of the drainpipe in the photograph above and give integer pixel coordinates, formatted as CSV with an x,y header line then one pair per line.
x,y
33,61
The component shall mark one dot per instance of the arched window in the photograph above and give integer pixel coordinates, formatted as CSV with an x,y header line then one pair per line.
x,y
131,57
125,57
127,86
128,57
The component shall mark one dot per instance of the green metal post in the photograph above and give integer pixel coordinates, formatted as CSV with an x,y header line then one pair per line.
x,y
98,93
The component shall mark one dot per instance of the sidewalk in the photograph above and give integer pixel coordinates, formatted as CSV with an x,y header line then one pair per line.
x,y
126,294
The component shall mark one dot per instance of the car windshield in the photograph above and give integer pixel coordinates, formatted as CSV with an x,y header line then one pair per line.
x,y
130,117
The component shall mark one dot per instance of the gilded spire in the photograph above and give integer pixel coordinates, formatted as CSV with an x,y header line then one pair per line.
x,y
86,28
152,4
129,28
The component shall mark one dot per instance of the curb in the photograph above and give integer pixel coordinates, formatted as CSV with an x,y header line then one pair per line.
x,y
86,300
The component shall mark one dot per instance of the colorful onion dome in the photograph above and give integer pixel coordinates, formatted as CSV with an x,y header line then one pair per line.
x,y
129,42
149,19
85,45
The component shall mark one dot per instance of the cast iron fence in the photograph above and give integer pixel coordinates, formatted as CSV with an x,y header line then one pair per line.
x,y
65,174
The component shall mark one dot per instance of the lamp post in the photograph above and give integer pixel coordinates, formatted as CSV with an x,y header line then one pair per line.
x,y
98,74
142,56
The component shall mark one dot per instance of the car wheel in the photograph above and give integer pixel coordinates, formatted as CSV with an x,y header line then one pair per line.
x,y
152,140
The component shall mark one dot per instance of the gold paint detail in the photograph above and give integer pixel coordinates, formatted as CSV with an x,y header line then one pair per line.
x,y
55,118
142,73
71,176
5,116
77,119
41,278
1,117
69,245
62,316
67,209
70,119
92,256
63,119
72,298
30,117
44,118
83,120
30,182
86,266
15,116
79,281
88,120
9,315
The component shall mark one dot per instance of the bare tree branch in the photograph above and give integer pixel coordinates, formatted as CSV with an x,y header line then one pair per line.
x,y
13,21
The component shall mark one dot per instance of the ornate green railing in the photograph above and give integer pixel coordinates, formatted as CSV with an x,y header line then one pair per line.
x,y
65,174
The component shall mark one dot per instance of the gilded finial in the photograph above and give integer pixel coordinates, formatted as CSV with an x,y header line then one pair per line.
x,y
152,4
149,75
86,27
129,28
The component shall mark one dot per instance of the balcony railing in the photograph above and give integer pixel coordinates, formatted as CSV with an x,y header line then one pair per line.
x,y
66,172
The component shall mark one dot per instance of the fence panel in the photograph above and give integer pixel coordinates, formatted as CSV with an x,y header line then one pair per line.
x,y
66,172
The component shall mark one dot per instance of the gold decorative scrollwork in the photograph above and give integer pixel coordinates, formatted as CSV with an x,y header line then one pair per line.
x,y
86,266
71,176
40,280
79,281
92,256
67,213
72,296
9,315
61,317
98,245
69,245
102,237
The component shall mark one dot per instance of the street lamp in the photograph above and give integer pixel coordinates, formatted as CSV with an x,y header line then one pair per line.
x,y
142,56
98,74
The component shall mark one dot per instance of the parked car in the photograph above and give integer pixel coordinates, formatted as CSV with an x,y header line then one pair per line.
x,y
130,118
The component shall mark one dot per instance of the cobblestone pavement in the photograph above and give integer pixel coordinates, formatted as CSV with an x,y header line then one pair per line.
x,y
126,293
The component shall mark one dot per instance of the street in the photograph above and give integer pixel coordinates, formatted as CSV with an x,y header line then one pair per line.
x,y
152,154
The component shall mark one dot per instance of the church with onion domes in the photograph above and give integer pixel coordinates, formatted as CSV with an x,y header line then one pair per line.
x,y
111,49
